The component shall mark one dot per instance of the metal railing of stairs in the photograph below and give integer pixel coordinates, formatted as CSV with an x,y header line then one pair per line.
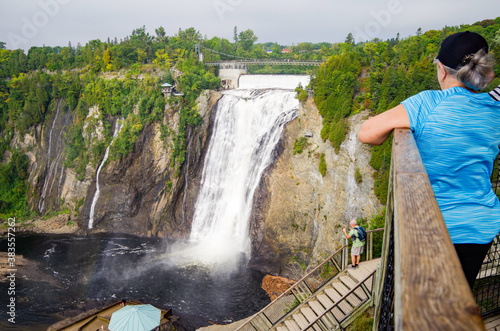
x,y
487,286
342,312
304,289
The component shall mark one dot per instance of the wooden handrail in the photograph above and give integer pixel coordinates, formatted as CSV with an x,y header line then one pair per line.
x,y
430,289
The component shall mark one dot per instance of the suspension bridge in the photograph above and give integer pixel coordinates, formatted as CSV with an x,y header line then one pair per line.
x,y
231,70
245,63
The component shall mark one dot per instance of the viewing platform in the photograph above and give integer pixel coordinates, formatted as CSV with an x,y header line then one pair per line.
x,y
99,319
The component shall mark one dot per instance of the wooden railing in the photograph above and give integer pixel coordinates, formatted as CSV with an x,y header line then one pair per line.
x,y
421,285
298,293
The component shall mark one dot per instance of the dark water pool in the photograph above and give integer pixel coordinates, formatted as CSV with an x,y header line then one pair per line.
x,y
78,271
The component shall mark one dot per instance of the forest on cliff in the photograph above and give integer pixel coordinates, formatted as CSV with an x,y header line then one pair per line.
x,y
122,79
378,75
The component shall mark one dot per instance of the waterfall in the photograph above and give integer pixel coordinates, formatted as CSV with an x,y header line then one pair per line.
x,y
118,127
248,125
349,146
186,176
51,164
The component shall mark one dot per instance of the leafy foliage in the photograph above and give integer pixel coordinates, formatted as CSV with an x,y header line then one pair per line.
x,y
302,94
377,76
357,175
120,79
13,176
322,164
299,145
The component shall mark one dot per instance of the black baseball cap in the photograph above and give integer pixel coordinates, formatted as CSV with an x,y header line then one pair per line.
x,y
457,49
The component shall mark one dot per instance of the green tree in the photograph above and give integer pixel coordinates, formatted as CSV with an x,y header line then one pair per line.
x,y
235,35
160,34
189,38
246,39
349,39
13,187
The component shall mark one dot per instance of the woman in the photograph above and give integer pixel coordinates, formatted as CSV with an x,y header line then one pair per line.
x,y
457,132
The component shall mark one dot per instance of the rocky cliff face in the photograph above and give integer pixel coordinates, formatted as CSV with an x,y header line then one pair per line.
x,y
141,193
299,214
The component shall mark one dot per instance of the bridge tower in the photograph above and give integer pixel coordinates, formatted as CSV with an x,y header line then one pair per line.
x,y
198,51
230,72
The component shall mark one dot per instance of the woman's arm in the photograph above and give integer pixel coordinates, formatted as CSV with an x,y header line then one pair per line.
x,y
377,129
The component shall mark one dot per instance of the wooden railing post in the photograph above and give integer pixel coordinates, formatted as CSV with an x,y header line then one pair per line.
x,y
345,254
430,289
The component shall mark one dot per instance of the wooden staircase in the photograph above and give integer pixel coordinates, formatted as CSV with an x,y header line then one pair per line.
x,y
337,304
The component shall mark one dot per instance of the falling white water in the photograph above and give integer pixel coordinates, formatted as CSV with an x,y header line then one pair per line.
x,y
186,175
248,125
352,190
51,164
118,127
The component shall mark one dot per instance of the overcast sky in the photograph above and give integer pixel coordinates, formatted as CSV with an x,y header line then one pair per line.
x,y
26,23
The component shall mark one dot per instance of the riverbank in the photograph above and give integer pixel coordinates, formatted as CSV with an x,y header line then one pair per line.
x,y
60,224
25,269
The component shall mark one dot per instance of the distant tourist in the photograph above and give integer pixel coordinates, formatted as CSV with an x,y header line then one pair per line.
x,y
457,134
357,245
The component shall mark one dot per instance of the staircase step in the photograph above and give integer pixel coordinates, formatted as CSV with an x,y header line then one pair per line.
x,y
282,328
363,270
350,283
344,306
300,320
308,313
316,307
318,310
292,326
326,302
341,288
310,316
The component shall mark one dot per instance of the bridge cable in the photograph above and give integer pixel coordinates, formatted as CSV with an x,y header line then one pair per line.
x,y
239,57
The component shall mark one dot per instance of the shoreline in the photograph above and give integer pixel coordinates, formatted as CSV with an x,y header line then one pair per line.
x,y
60,224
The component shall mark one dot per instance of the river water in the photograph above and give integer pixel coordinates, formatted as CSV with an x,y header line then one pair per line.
x,y
98,269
